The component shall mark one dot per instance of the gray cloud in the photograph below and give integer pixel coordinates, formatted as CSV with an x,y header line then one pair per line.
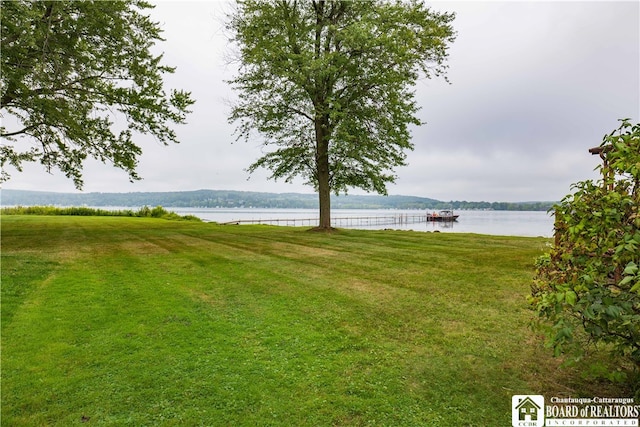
x,y
533,86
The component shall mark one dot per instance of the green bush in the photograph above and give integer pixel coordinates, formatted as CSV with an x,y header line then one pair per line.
x,y
587,288
158,212
144,212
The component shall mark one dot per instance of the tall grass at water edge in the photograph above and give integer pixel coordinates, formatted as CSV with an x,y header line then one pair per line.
x,y
144,212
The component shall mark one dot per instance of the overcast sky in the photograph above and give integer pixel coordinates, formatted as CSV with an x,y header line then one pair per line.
x,y
534,85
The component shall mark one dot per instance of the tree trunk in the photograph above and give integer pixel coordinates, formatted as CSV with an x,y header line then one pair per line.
x,y
324,194
322,169
321,124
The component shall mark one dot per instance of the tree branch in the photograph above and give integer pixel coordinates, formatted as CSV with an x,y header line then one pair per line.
x,y
25,130
302,113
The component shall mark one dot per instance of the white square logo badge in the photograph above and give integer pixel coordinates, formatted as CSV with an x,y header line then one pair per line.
x,y
527,411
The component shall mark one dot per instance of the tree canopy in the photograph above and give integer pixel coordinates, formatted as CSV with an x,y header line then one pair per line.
x,y
329,86
79,80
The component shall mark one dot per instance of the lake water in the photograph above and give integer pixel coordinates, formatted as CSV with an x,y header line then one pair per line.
x,y
505,223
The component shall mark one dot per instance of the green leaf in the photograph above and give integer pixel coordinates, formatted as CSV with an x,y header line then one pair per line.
x,y
631,268
570,298
626,280
613,311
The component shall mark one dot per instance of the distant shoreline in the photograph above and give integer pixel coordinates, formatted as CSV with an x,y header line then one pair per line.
x,y
247,199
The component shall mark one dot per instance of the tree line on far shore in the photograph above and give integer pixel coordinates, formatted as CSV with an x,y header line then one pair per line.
x,y
246,199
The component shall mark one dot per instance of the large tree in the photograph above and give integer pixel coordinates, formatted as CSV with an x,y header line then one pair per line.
x,y
79,80
329,86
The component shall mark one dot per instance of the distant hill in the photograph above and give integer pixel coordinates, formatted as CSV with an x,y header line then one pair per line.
x,y
246,199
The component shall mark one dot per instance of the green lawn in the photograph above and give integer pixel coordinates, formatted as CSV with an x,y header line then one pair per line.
x,y
139,321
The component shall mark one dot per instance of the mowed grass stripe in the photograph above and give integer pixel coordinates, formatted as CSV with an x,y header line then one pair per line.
x,y
133,321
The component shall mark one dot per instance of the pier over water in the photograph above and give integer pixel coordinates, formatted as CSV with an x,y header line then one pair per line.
x,y
350,221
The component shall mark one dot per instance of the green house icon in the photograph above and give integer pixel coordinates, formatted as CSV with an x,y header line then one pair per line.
x,y
527,410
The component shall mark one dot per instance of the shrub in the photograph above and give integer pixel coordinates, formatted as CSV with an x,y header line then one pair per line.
x,y
587,288
144,211
159,212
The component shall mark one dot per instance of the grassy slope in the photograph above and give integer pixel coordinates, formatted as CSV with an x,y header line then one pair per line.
x,y
131,321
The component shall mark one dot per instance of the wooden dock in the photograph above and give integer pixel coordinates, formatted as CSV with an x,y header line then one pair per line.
x,y
349,221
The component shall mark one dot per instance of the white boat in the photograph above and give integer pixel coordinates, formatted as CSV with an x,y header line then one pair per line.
x,y
443,216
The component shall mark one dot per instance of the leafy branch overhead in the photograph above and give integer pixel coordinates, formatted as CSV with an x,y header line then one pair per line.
x,y
329,86
79,80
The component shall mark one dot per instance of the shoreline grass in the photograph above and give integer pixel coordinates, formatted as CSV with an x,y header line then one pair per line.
x,y
135,321
143,212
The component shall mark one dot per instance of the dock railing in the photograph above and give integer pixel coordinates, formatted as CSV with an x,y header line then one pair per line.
x,y
350,221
